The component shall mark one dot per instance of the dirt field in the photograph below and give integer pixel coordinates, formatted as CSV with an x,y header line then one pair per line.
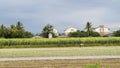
x,y
104,63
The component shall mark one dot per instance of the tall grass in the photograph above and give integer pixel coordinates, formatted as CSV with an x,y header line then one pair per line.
x,y
62,42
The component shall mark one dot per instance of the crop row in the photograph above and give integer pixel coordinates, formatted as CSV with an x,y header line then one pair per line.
x,y
62,41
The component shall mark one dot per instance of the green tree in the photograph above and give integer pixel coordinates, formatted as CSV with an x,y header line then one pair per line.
x,y
46,30
83,34
14,31
117,33
95,34
89,28
19,25
27,34
20,30
2,31
74,34
78,34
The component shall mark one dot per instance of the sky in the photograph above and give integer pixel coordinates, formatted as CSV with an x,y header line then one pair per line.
x,y
62,14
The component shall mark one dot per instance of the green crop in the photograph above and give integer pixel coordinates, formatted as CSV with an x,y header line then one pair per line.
x,y
62,42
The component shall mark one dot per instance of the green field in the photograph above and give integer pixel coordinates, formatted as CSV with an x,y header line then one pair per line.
x,y
93,46
68,51
59,42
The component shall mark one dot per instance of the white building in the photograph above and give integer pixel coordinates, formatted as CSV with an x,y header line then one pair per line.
x,y
102,30
69,30
55,32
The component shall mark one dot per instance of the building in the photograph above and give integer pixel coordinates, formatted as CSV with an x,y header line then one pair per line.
x,y
69,30
55,32
102,30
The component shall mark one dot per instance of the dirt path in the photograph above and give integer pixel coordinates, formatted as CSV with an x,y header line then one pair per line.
x,y
60,58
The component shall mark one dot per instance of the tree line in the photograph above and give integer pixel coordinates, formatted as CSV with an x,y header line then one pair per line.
x,y
88,33
18,31
14,31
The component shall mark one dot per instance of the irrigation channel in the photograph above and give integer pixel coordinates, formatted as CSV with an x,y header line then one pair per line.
x,y
60,58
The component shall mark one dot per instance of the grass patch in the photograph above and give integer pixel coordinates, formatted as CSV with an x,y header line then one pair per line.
x,y
66,51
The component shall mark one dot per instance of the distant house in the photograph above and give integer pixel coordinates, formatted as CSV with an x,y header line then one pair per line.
x,y
102,30
69,30
55,32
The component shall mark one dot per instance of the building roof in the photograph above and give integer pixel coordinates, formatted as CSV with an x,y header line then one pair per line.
x,y
69,28
100,26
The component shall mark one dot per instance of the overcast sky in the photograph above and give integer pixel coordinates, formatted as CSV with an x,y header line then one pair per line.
x,y
35,14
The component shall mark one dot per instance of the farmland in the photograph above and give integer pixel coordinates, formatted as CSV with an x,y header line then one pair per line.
x,y
104,63
59,42
43,47
62,51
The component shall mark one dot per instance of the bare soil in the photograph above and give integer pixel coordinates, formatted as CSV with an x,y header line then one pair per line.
x,y
104,63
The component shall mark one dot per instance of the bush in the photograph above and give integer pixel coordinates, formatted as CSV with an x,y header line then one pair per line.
x,y
78,34
117,33
95,34
83,34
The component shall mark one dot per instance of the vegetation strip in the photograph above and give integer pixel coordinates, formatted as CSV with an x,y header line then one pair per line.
x,y
60,58
59,42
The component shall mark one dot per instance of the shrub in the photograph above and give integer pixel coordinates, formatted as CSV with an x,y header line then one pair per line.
x,y
78,34
95,34
117,33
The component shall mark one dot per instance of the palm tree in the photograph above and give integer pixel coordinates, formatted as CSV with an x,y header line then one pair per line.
x,y
2,31
19,25
89,28
13,31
